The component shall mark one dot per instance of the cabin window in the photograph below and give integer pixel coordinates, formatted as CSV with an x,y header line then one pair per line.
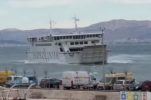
x,y
59,44
60,37
61,50
67,37
55,38
92,41
76,49
82,36
72,43
46,44
76,43
85,42
81,42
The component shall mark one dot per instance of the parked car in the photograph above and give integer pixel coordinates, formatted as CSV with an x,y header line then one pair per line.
x,y
13,80
135,86
50,83
33,80
146,86
21,81
122,85
109,79
90,86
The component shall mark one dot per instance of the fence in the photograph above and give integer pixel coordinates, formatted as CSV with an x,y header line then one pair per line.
x,y
135,95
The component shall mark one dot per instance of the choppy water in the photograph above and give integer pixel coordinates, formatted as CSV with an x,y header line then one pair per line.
x,y
135,58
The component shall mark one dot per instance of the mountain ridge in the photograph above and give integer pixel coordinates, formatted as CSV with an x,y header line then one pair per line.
x,y
116,30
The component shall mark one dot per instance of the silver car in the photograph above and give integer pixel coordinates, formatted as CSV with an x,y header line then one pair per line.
x,y
121,85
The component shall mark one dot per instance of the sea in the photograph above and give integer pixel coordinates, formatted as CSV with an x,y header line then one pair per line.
x,y
134,58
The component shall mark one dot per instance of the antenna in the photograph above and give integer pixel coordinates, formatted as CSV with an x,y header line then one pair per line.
x,y
50,24
75,22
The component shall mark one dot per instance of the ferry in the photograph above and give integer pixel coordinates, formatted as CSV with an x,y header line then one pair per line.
x,y
69,48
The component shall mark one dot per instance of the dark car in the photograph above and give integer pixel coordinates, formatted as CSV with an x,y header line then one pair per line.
x,y
33,80
50,83
135,86
146,86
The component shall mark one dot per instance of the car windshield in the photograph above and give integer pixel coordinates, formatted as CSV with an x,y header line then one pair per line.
x,y
119,82
17,78
32,78
107,79
127,82
9,79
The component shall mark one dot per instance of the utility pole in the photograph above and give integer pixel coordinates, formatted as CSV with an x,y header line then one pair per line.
x,y
103,62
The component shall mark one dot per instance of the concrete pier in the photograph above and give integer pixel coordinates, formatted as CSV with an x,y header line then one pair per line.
x,y
35,94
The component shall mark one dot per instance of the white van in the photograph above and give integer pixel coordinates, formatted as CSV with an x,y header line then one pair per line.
x,y
75,79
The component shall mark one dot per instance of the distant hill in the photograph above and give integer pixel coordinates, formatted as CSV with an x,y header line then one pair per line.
x,y
116,31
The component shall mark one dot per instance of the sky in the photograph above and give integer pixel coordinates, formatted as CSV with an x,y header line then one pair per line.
x,y
33,14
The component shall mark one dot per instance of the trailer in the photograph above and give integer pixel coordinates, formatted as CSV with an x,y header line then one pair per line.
x,y
76,79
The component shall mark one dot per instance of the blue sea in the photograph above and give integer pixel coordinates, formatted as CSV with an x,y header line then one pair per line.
x,y
121,58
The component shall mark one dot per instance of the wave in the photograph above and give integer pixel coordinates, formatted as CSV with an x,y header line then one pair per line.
x,y
128,58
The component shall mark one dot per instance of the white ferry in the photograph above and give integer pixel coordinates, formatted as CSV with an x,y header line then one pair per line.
x,y
70,48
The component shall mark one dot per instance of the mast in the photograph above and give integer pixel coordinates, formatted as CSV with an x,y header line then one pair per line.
x,y
75,22
51,24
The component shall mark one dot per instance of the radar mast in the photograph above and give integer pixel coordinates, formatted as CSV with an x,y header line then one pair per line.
x,y
75,22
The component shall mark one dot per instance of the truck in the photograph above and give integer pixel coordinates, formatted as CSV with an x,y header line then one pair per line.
x,y
109,79
77,79
4,75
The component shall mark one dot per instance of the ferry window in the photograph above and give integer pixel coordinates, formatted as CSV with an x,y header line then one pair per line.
x,y
70,37
121,78
76,43
59,44
79,37
72,43
81,42
92,41
54,38
74,37
85,42
61,50
60,37
67,37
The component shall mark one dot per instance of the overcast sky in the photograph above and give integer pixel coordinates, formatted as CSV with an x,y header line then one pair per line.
x,y
32,14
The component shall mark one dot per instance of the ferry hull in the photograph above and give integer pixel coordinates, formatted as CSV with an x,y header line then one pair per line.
x,y
90,55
